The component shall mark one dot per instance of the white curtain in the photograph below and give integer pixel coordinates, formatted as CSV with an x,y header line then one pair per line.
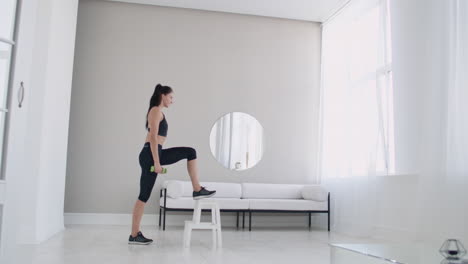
x,y
444,165
457,120
431,118
457,105
356,111
457,134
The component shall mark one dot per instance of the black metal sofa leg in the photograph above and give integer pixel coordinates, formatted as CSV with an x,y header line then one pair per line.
x,y
250,220
159,216
243,220
164,220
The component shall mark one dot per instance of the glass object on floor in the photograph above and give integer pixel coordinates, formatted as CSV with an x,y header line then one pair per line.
x,y
452,249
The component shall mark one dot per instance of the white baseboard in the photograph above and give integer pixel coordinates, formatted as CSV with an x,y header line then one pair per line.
x,y
107,219
177,219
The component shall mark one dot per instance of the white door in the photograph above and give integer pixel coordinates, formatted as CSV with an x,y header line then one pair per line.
x,y
7,46
16,40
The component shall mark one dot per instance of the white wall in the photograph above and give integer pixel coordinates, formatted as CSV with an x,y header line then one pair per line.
x,y
55,117
216,63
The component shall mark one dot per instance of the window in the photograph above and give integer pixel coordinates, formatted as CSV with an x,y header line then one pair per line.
x,y
357,94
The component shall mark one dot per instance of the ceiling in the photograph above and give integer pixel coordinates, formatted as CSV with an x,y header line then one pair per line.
x,y
308,10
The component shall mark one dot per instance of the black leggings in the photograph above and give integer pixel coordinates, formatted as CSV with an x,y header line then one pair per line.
x,y
166,157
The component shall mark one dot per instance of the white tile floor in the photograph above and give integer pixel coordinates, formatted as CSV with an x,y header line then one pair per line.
x,y
108,244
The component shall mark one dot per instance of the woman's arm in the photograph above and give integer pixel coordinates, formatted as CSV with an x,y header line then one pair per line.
x,y
154,117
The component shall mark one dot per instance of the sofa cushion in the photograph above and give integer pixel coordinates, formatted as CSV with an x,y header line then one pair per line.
x,y
287,205
314,193
188,203
271,191
176,189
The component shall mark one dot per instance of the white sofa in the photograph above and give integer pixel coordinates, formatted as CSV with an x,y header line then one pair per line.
x,y
248,197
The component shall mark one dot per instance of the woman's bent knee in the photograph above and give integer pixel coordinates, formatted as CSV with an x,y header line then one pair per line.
x,y
191,154
143,198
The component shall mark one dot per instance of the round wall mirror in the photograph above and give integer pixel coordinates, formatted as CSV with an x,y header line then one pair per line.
x,y
236,141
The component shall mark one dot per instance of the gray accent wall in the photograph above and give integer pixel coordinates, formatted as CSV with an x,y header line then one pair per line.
x,y
216,63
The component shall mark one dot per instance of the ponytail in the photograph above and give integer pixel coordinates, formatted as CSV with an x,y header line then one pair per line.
x,y
156,98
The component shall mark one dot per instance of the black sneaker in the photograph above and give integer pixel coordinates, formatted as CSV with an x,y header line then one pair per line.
x,y
203,193
139,240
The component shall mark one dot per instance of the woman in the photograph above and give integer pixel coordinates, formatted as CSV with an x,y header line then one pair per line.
x,y
153,154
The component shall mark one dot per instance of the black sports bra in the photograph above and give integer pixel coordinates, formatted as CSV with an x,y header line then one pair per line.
x,y
163,126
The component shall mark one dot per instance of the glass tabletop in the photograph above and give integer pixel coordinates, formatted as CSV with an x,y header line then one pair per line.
x,y
389,253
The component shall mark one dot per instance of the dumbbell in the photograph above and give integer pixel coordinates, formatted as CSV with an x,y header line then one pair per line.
x,y
164,170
